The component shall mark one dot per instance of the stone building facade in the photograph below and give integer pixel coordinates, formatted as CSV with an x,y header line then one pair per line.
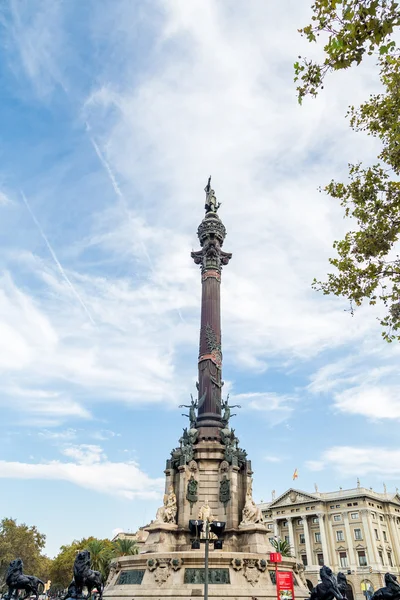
x,y
356,531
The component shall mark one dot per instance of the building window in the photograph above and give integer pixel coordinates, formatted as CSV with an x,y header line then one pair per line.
x,y
320,559
287,539
315,520
390,559
317,537
339,536
373,515
337,506
376,534
270,526
355,503
381,518
384,536
333,506
300,522
362,559
381,557
302,538
284,524
307,508
343,559
304,559
354,515
337,517
357,534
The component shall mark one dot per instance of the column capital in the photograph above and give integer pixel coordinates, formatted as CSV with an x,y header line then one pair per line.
x,y
320,515
364,512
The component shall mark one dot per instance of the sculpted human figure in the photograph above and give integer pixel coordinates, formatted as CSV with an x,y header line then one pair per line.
x,y
192,411
167,513
251,512
205,513
227,410
211,204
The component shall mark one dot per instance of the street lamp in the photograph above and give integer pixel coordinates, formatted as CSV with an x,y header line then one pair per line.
x,y
196,528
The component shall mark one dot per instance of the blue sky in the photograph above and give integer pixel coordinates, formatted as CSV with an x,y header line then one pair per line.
x,y
112,116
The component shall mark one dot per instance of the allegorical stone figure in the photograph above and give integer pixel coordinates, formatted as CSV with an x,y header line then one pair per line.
x,y
167,513
251,512
205,513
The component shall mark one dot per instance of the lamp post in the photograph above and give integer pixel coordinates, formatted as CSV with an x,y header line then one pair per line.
x,y
207,547
196,527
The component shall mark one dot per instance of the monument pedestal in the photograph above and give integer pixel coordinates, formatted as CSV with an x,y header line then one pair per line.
x,y
232,575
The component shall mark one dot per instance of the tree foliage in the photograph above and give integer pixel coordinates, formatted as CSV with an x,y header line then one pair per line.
x,y
125,547
367,265
281,546
22,541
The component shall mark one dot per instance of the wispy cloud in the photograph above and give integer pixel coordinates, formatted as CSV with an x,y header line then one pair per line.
x,y
59,266
359,461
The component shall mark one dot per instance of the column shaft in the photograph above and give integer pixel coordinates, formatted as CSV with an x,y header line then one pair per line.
x,y
325,550
310,559
349,538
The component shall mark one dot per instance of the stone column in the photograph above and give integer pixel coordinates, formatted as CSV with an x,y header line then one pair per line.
x,y
292,540
370,542
382,541
352,556
276,528
394,534
330,533
325,550
310,558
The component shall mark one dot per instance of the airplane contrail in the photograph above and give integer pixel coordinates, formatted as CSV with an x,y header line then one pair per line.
x,y
121,196
53,254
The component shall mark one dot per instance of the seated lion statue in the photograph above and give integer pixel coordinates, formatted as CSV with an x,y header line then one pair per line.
x,y
391,591
328,589
16,580
84,576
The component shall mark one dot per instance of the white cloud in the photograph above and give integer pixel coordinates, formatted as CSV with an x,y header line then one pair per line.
x,y
4,199
375,402
91,470
354,461
85,454
273,459
275,407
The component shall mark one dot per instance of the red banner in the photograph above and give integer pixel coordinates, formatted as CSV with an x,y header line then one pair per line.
x,y
275,557
284,585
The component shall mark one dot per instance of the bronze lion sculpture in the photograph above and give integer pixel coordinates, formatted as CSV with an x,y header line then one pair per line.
x,y
16,580
391,591
328,589
84,577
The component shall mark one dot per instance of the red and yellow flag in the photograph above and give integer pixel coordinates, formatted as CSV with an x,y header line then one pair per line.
x,y
295,474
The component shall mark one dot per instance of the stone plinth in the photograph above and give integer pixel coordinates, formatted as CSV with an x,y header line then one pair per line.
x,y
243,576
